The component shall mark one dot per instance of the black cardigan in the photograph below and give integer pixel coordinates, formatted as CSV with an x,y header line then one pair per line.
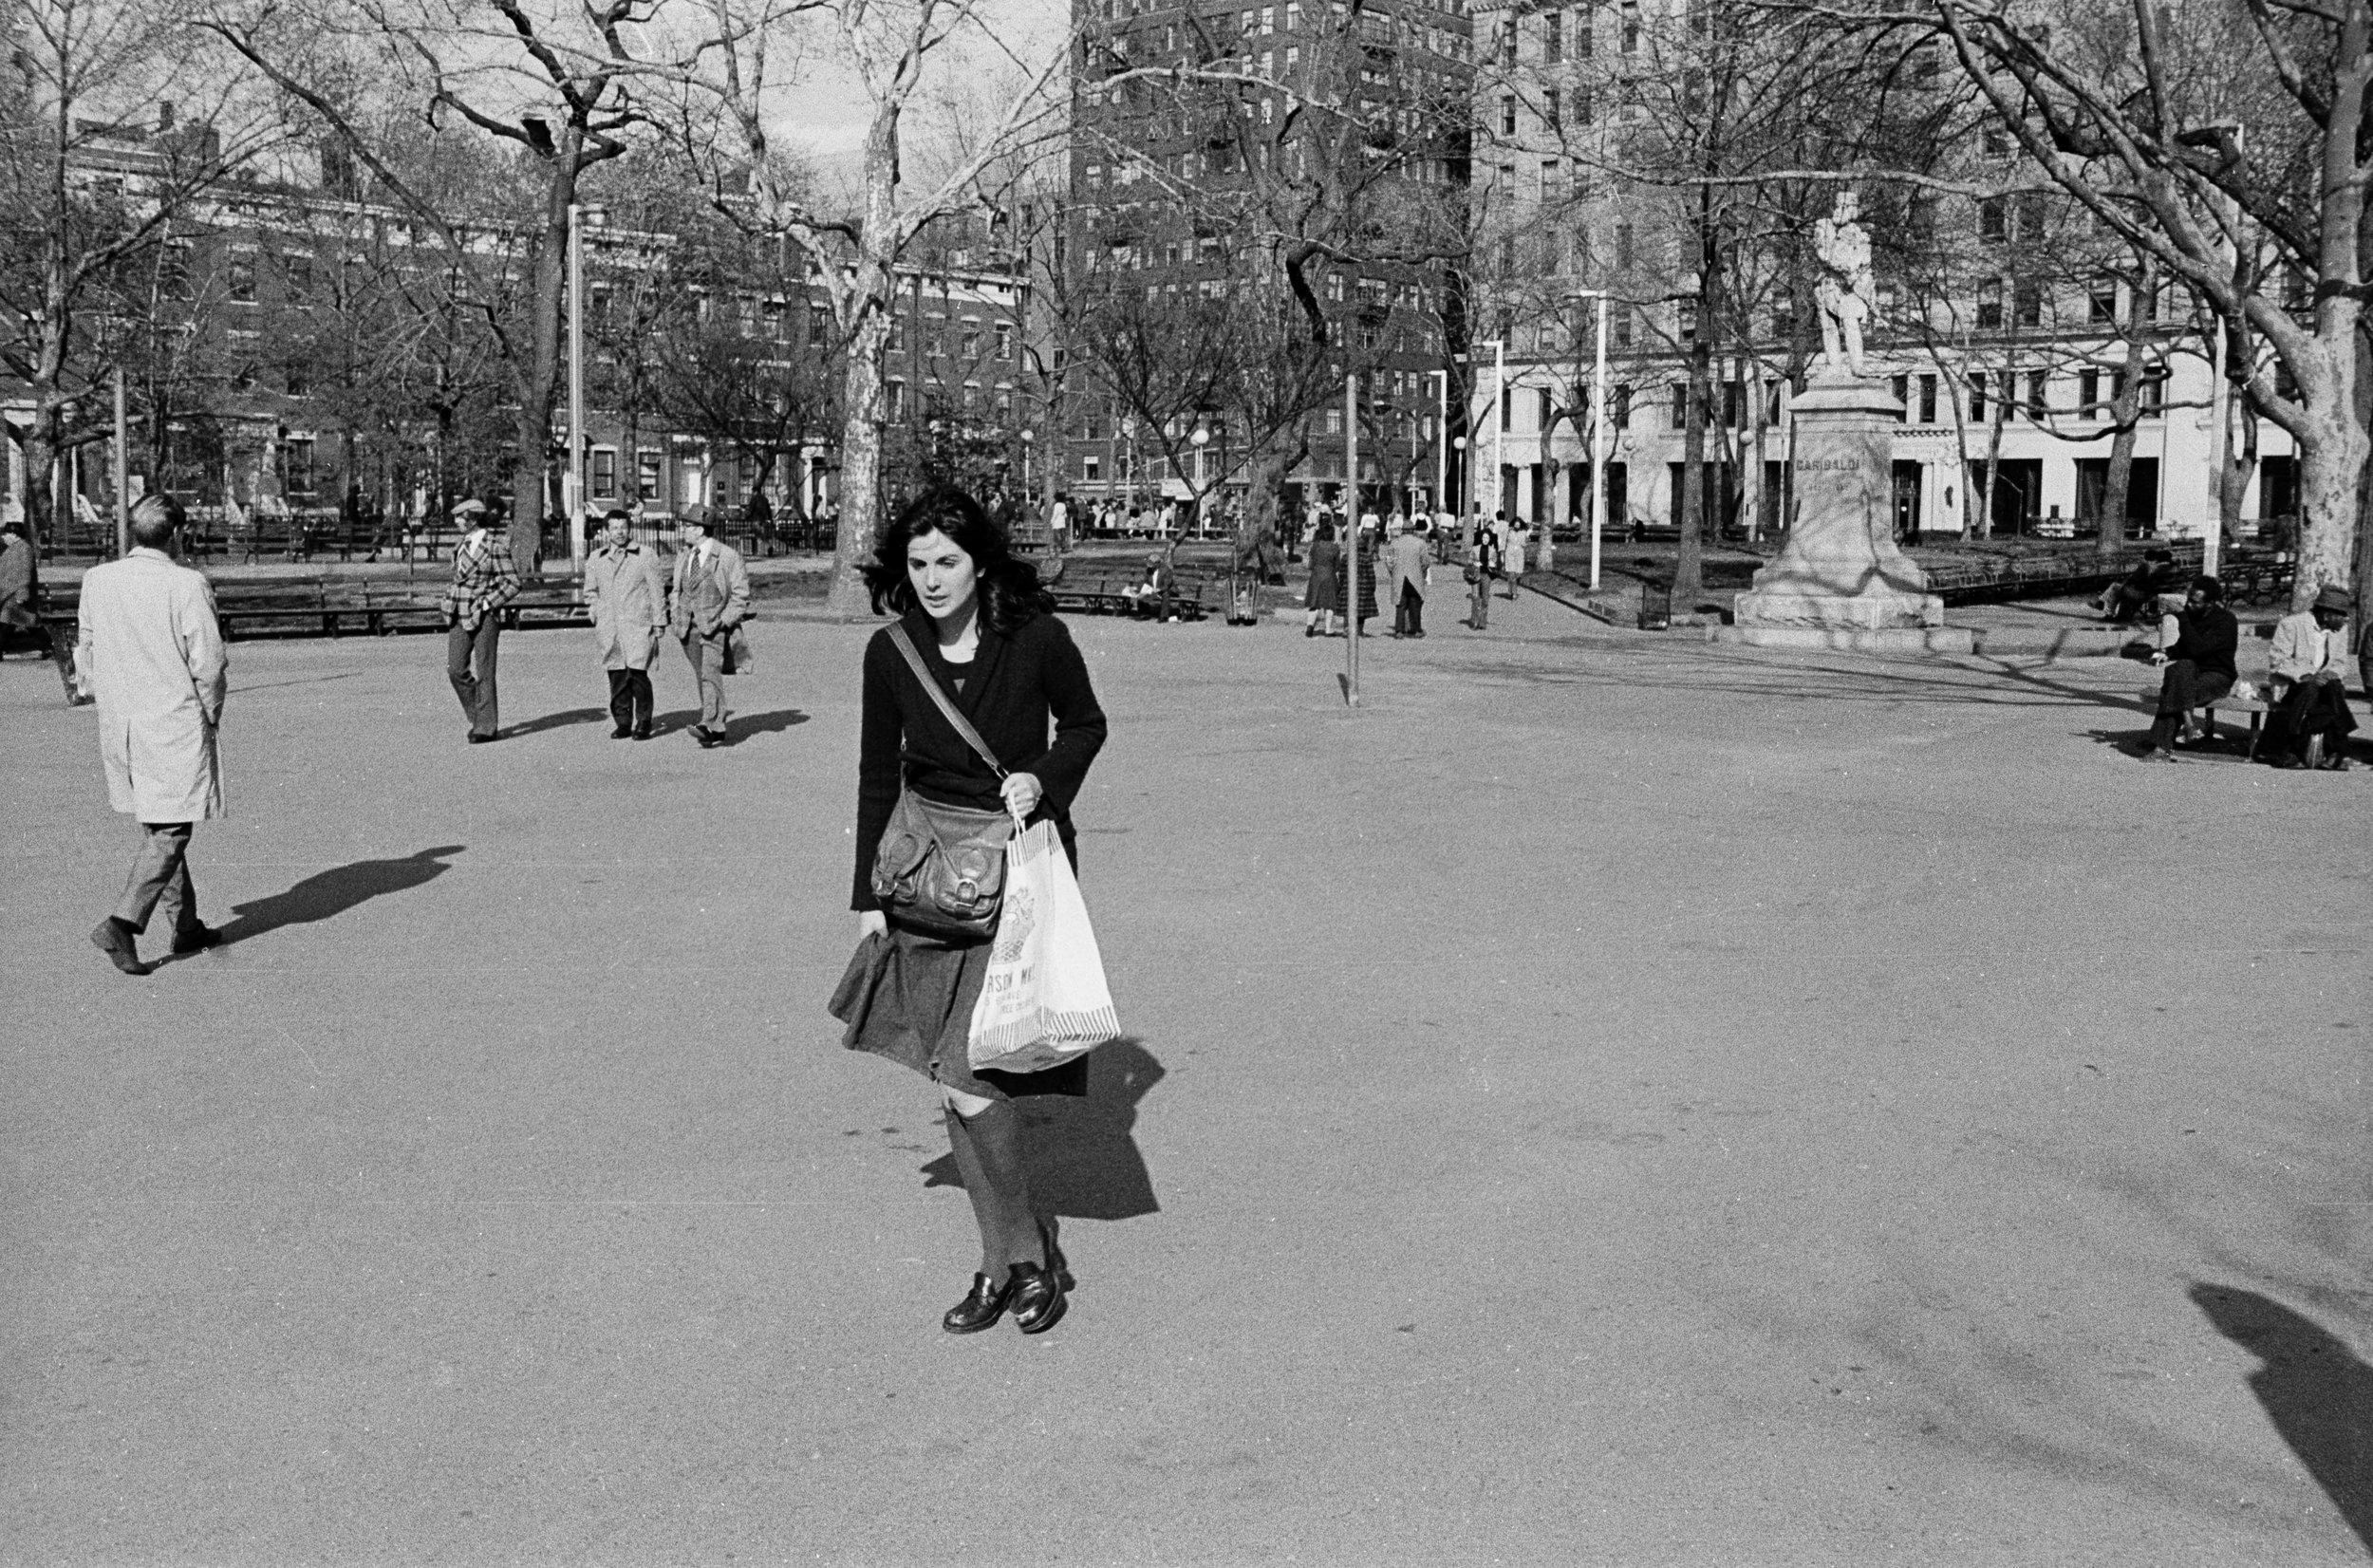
x,y
2208,636
1013,686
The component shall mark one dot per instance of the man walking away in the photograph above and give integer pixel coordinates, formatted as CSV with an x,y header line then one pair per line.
x,y
1410,575
710,598
627,593
2199,664
483,582
150,652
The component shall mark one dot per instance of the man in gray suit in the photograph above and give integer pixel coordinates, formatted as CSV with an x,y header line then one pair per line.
x,y
709,597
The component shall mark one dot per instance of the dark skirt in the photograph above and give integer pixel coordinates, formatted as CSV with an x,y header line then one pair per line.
x,y
910,996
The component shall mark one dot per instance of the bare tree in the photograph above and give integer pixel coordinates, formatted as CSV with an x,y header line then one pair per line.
x,y
93,169
555,88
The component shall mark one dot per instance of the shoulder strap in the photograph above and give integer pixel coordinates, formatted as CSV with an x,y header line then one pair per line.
x,y
947,710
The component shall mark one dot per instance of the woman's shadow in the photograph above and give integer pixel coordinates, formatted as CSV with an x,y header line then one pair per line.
x,y
2317,1393
1084,1162
330,893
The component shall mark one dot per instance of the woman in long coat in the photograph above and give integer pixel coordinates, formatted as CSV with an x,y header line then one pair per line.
x,y
1324,599
985,631
1365,607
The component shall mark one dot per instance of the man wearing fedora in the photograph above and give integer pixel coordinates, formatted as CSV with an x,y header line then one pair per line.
x,y
483,582
149,650
2311,722
709,597
627,593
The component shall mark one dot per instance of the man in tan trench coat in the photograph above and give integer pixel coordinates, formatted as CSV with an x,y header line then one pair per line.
x,y
627,590
149,650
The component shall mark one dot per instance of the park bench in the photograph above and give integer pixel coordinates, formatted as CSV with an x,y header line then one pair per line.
x,y
331,606
2255,704
1089,585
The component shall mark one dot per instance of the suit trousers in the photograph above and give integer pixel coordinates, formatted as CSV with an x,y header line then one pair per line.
x,y
631,699
469,664
1479,602
1409,616
160,874
2184,688
706,655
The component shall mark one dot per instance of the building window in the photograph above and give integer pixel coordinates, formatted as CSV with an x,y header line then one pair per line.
x,y
1990,306
1622,409
297,275
1507,112
297,460
1680,414
2154,389
646,476
2029,299
1549,107
2102,304
1091,468
299,381
1553,37
895,400
1545,412
604,472
1992,221
1977,395
2037,396
1628,39
1619,326
1005,343
1902,389
1623,245
239,276
2088,393
1928,399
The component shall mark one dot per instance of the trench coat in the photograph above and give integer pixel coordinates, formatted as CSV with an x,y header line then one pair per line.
x,y
150,651
1409,565
627,593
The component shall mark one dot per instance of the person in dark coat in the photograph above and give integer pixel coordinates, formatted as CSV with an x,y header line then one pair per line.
x,y
1324,599
987,631
2199,664
1365,606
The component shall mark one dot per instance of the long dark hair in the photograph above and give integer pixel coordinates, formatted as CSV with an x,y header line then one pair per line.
x,y
1010,594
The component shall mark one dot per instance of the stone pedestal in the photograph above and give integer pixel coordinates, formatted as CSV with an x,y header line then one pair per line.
x,y
1840,570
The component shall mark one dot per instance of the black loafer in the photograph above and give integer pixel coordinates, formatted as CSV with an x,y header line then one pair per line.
x,y
197,940
113,938
622,733
1037,1297
982,1307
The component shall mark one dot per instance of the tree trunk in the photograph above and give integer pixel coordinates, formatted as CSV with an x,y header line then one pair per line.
x,y
861,446
2333,447
534,382
1688,572
2123,410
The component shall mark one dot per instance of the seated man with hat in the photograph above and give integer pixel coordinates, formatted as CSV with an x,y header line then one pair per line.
x,y
2311,722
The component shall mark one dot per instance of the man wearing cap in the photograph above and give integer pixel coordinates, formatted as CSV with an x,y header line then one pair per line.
x,y
2311,722
150,652
709,598
1411,576
627,593
483,582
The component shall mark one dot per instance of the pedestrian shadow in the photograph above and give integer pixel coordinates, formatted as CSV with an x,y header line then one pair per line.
x,y
555,721
328,894
1083,1156
2316,1390
738,728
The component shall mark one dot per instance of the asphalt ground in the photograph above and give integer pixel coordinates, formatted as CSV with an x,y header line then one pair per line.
x,y
1609,1099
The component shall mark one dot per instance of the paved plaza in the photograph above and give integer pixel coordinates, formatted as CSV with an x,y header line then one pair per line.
x,y
1612,1099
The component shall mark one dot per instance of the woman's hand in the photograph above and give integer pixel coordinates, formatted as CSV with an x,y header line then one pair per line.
x,y
1022,795
871,923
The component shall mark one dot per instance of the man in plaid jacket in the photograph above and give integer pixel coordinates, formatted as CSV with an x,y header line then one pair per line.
x,y
483,582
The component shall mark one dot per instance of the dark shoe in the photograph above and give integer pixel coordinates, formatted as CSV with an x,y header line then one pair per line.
x,y
643,732
1037,1297
113,938
1056,1264
705,737
478,740
2161,754
981,1308
196,940
622,733
2291,762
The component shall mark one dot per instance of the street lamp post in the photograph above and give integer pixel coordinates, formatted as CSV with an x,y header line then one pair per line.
x,y
573,477
1200,438
1351,519
1026,438
1442,441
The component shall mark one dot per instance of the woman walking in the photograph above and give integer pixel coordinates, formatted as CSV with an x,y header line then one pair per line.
x,y
1325,595
986,633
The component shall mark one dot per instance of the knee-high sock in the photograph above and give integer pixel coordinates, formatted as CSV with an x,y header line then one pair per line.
x,y
988,1156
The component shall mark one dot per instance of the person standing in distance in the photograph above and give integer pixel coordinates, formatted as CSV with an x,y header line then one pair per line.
x,y
483,582
710,597
150,651
627,593
1411,576
986,633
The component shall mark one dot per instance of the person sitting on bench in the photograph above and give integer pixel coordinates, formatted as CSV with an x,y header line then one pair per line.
x,y
2200,666
2311,722
1153,596
2123,599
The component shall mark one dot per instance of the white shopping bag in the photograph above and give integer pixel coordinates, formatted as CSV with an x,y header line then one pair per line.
x,y
1045,999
